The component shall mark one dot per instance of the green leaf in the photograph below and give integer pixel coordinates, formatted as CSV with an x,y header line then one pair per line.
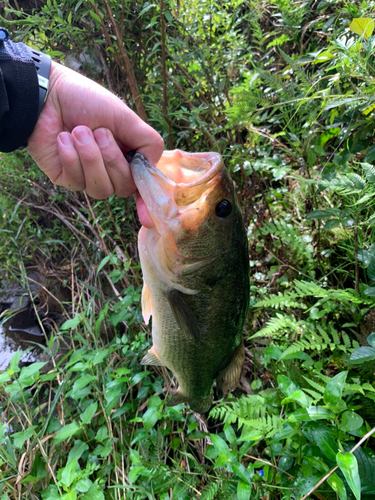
x,y
299,397
220,445
95,16
20,437
78,449
349,467
89,413
332,223
371,339
337,485
107,258
28,372
333,391
311,413
13,365
81,382
69,473
66,432
366,465
51,493
72,323
322,214
243,491
4,377
323,438
242,472
362,355
363,26
370,291
151,416
286,385
83,485
350,421
94,493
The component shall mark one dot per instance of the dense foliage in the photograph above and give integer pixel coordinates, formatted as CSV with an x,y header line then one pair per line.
x,y
284,90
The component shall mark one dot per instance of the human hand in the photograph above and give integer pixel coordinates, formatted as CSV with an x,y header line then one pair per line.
x,y
82,135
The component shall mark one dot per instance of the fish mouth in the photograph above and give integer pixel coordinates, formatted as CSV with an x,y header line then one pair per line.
x,y
189,169
178,180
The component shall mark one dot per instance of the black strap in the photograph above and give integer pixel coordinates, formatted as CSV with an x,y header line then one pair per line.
x,y
19,94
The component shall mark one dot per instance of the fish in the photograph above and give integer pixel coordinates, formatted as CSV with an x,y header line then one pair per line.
x,y
195,266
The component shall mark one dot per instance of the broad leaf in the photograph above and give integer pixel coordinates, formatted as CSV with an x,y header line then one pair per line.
x,y
363,26
337,485
362,355
350,421
243,491
66,432
349,467
366,466
334,388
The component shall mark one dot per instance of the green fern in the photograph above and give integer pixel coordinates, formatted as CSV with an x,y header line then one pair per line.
x,y
280,325
210,491
369,172
346,184
281,301
290,236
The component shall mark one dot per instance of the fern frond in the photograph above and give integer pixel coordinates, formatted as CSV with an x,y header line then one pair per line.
x,y
345,184
279,325
281,301
314,384
315,395
210,491
369,172
290,236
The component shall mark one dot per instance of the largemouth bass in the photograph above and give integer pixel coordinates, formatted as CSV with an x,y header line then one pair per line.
x,y
196,272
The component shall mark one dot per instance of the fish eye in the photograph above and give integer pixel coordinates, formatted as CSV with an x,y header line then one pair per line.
x,y
223,208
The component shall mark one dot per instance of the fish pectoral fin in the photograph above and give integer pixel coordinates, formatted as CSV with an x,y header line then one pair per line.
x,y
183,314
146,303
228,378
151,358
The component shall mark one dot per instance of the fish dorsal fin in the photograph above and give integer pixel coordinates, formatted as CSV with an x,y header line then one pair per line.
x,y
151,358
183,314
146,303
228,379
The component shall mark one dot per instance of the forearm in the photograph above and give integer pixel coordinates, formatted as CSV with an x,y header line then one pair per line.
x,y
20,94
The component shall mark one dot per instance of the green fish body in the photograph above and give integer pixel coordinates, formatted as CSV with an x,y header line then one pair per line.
x,y
196,272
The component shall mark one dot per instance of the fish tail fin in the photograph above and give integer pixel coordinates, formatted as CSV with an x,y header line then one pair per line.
x,y
200,405
228,379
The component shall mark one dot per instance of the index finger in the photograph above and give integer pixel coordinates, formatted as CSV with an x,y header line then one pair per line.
x,y
135,134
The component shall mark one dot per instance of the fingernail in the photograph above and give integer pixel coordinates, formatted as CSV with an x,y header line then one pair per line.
x,y
101,137
65,139
82,135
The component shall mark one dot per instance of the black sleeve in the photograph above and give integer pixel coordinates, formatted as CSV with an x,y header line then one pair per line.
x,y
19,94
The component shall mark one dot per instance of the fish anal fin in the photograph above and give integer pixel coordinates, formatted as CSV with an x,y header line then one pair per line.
x,y
228,378
151,358
199,405
177,398
146,303
183,314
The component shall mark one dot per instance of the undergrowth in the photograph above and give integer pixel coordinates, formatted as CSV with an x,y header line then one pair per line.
x,y
285,91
